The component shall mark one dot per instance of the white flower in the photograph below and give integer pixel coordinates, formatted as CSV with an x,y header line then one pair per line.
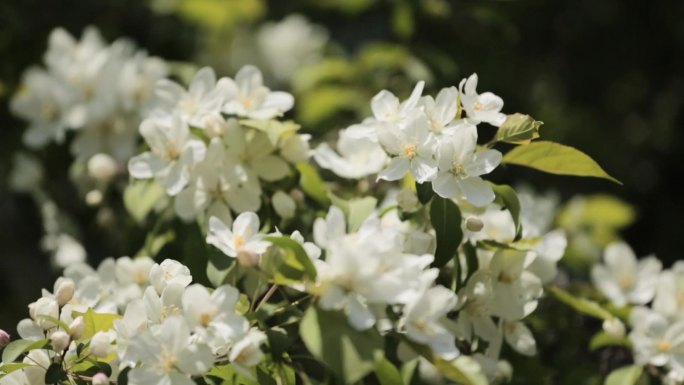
x,y
412,148
476,304
516,290
422,318
102,167
460,167
244,241
42,308
137,80
169,272
655,341
27,172
441,111
625,280
519,337
173,152
168,354
204,97
101,344
484,107
387,108
246,352
248,97
358,157
669,297
38,361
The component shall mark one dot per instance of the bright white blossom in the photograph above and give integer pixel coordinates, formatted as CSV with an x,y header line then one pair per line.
x,y
483,107
244,240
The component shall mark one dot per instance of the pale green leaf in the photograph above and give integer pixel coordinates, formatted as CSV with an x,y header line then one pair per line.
x,y
518,129
387,373
312,184
274,129
628,375
582,305
603,339
96,322
556,158
141,196
19,347
299,253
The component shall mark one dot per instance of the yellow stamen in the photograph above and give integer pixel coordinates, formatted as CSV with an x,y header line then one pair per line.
x,y
410,151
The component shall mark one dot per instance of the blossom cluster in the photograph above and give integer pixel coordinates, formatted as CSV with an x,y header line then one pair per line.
x,y
160,328
99,91
211,146
426,137
656,330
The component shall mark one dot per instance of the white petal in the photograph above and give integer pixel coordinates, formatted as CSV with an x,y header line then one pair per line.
x,y
384,105
395,170
246,224
446,186
484,162
477,191
145,165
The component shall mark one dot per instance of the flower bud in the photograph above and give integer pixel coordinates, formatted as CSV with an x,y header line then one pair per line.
x,y
474,224
60,341
100,379
64,290
77,327
284,205
100,345
614,328
44,307
4,338
93,198
102,167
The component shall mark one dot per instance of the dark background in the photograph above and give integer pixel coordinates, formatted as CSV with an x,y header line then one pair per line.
x,y
604,76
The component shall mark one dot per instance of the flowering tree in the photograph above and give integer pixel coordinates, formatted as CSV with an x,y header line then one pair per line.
x,y
401,258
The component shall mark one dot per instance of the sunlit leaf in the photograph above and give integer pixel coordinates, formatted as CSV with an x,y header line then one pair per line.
x,y
518,129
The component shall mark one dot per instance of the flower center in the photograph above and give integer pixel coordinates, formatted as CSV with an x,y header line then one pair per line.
x,y
189,106
458,170
239,241
248,103
168,361
626,282
664,346
410,151
477,106
207,317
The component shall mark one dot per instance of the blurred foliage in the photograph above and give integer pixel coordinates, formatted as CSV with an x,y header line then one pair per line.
x,y
606,77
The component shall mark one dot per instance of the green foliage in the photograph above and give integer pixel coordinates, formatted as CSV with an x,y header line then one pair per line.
x,y
556,158
387,373
445,217
312,184
603,339
424,192
518,129
355,210
628,375
507,198
274,129
96,322
141,196
298,252
19,347
582,305
348,353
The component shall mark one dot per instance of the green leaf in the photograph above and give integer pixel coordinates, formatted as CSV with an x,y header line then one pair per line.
x,y
219,267
518,129
312,184
9,367
141,196
96,322
445,217
582,305
603,339
19,347
402,19
463,370
55,374
155,242
424,192
274,129
471,260
628,375
506,197
356,210
556,158
349,353
408,371
299,253
387,373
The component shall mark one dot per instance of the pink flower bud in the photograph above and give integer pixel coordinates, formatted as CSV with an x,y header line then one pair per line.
x,y
100,379
4,338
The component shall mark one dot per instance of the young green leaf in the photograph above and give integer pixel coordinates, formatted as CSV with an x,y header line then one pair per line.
x,y
19,347
518,129
141,196
628,375
387,373
582,305
312,184
350,354
445,217
299,253
556,158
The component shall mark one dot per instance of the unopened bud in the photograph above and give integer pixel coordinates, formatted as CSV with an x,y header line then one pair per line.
x,y
284,205
4,338
64,291
77,327
100,345
474,224
100,379
102,167
60,341
93,198
614,328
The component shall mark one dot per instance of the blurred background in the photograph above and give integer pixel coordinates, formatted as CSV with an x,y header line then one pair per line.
x,y
604,76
